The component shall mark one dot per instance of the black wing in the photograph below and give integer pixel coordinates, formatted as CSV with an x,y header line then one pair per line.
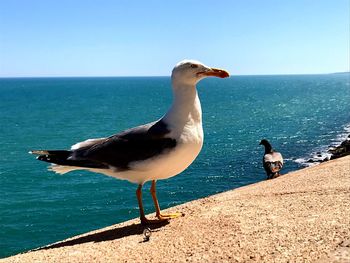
x,y
132,145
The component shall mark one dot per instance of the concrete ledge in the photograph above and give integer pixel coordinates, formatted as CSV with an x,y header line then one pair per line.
x,y
299,217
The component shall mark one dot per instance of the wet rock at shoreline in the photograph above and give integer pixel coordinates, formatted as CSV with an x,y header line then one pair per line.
x,y
318,160
334,151
342,150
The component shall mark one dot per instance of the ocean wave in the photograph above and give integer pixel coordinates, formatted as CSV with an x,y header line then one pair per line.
x,y
323,153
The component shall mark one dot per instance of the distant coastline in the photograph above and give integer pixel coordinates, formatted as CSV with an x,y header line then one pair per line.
x,y
340,73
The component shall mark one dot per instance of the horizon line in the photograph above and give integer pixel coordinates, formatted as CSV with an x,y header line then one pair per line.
x,y
155,76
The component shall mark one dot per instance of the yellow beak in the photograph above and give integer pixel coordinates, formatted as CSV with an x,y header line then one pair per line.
x,y
214,72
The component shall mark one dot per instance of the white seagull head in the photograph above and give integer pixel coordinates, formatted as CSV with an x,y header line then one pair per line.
x,y
189,72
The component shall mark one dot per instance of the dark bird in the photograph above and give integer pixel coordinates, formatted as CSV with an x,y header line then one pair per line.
x,y
272,160
150,152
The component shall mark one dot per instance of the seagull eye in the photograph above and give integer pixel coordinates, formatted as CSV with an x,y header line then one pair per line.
x,y
194,66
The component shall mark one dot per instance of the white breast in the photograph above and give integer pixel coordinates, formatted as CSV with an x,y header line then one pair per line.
x,y
171,163
273,157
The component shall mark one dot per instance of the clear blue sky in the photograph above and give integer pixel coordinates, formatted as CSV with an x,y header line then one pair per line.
x,y
138,38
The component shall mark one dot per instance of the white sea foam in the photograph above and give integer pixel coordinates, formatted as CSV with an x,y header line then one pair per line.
x,y
322,153
301,161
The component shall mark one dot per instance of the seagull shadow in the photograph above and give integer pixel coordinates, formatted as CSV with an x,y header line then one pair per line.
x,y
107,235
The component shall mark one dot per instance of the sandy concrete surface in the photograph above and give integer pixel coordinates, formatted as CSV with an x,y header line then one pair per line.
x,y
303,216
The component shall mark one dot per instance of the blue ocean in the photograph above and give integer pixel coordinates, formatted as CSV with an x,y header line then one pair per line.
x,y
301,115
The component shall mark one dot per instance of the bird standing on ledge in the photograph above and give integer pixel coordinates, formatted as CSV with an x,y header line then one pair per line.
x,y
272,160
157,150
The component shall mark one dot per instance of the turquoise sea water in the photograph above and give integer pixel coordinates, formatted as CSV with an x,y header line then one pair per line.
x,y
300,115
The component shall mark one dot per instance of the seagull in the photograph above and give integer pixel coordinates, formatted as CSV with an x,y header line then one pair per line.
x,y
150,152
272,160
